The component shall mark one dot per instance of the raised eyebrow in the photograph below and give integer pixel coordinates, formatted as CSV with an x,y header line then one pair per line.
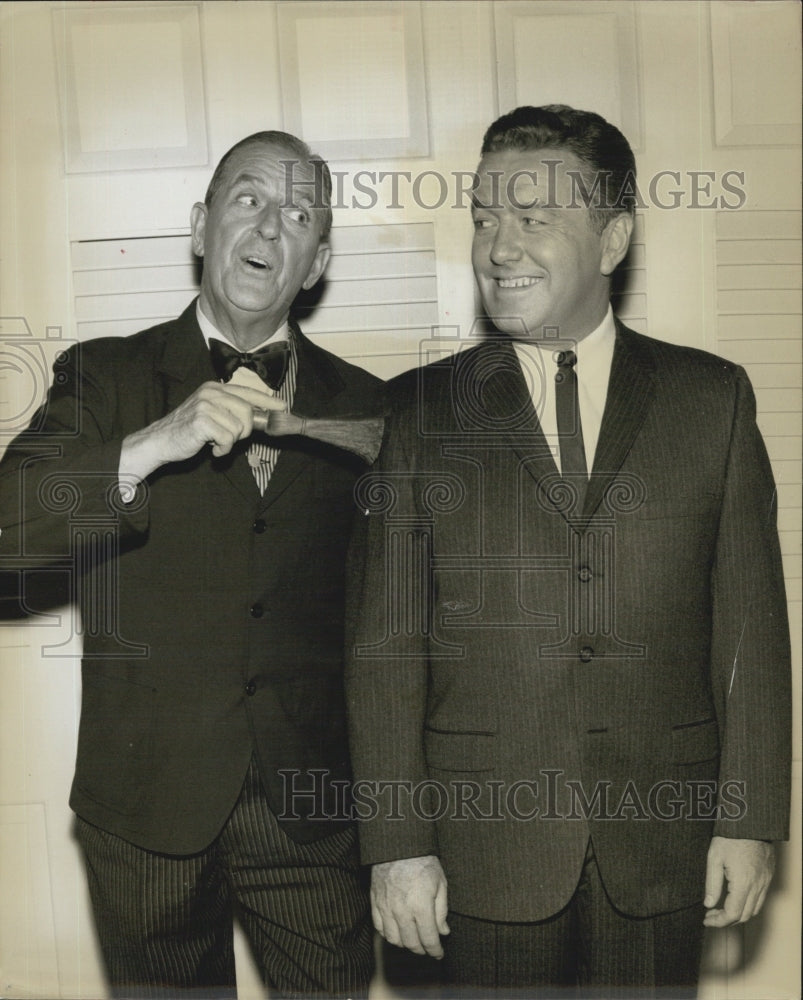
x,y
241,179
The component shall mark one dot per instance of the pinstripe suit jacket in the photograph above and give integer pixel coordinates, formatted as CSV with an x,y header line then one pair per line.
x,y
529,675
213,617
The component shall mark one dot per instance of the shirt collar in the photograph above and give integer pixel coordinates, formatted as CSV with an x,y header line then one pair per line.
x,y
208,329
593,346
598,342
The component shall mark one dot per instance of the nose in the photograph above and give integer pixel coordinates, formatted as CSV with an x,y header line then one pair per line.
x,y
268,222
506,246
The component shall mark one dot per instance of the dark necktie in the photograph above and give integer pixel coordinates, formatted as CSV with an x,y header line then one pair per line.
x,y
269,362
570,431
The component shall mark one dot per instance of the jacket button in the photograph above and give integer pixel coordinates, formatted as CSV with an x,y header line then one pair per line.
x,y
251,688
259,525
586,654
585,574
256,610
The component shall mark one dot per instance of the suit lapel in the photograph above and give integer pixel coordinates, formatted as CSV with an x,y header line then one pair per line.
x,y
497,375
185,359
507,402
630,393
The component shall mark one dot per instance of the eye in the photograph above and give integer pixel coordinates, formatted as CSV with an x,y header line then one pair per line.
x,y
298,215
482,223
247,199
532,220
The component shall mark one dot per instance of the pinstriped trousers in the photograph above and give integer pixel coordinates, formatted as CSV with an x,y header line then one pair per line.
x,y
165,923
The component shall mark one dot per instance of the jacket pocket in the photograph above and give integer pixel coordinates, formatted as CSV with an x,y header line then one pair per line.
x,y
694,742
452,750
115,740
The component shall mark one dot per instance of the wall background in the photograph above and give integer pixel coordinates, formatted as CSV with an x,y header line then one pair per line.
x,y
111,119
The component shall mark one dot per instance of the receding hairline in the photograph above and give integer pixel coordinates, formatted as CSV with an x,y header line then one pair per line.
x,y
296,152
307,158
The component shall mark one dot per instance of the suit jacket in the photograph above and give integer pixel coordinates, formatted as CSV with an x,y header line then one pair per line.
x,y
526,675
212,617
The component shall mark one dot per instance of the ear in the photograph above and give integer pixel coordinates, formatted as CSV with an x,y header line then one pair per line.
x,y
198,225
615,240
318,265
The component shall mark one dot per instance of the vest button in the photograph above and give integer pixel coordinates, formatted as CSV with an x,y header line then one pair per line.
x,y
256,611
259,525
251,688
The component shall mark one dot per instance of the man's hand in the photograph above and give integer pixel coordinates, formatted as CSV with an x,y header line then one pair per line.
x,y
409,905
747,867
217,414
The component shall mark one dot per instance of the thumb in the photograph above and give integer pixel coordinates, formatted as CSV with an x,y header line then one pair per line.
x,y
714,880
441,908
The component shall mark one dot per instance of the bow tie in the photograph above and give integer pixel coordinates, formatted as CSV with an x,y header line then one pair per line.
x,y
269,362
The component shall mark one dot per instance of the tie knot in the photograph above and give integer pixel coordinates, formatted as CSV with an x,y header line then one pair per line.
x,y
269,362
565,359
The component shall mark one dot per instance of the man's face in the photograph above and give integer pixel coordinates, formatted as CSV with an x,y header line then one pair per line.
x,y
537,258
260,240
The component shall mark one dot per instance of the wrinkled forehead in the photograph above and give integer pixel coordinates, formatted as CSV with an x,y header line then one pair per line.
x,y
521,178
272,163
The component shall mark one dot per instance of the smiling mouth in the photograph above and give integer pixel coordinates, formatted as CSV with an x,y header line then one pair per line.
x,y
526,282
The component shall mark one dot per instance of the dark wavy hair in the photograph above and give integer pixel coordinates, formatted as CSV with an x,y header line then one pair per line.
x,y
608,165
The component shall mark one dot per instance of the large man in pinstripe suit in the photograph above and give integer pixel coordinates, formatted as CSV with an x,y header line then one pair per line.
x,y
213,619
570,655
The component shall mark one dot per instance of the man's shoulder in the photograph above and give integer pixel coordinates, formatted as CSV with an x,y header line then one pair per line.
x,y
349,388
670,358
433,377
139,351
350,373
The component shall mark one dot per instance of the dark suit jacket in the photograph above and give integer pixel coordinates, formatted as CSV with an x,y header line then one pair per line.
x,y
213,617
620,672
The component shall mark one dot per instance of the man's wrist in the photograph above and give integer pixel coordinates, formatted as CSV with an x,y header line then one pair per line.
x,y
138,459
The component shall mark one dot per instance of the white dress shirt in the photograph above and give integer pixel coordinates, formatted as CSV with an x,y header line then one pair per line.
x,y
593,369
209,330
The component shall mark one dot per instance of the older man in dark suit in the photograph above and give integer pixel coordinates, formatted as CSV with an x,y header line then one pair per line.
x,y
213,611
568,683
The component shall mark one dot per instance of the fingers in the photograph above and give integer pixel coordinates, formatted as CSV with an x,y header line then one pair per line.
x,y
731,911
416,932
222,430
428,936
249,408
740,905
258,399
441,908
216,414
376,916
401,928
714,878
408,902
747,866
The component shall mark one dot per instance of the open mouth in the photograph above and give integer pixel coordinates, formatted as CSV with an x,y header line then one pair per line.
x,y
258,263
526,282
